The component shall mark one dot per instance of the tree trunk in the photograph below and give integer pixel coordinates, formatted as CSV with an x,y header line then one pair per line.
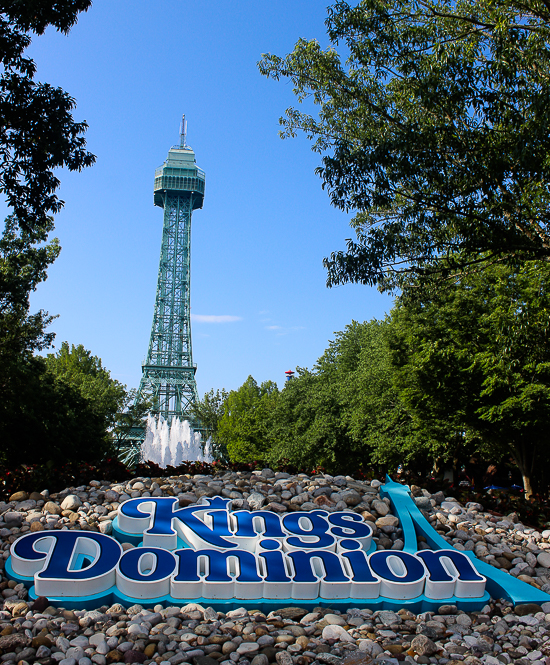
x,y
527,485
525,468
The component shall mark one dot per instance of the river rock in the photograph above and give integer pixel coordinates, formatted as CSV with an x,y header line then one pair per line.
x,y
11,642
283,658
106,527
381,507
19,496
52,508
423,502
260,659
71,502
357,658
498,635
256,501
332,620
388,520
13,519
350,497
424,646
247,648
388,618
334,632
527,608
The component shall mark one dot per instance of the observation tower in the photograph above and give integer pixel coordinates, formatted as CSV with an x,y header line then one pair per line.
x,y
168,379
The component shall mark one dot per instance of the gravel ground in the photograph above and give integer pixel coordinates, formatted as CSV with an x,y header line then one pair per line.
x,y
498,634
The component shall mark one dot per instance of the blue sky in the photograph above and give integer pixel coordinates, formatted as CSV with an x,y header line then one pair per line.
x,y
258,296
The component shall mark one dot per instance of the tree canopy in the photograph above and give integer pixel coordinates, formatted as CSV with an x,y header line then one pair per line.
x,y
78,368
345,413
59,408
38,133
42,418
475,363
37,136
23,264
435,129
462,380
209,411
244,425
342,415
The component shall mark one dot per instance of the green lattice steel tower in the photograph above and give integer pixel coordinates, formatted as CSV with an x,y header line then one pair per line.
x,y
169,372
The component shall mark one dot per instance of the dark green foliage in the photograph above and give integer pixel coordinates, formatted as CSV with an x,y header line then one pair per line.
x,y
435,130
23,264
476,362
37,133
307,425
37,136
48,420
59,409
461,380
24,258
132,416
209,411
59,476
244,426
43,416
345,414
55,408
342,416
358,362
78,369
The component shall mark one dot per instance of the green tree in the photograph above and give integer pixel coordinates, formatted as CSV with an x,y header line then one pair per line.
x,y
23,265
77,368
131,416
209,411
382,428
38,133
64,409
24,390
476,360
245,424
346,414
435,130
49,421
307,429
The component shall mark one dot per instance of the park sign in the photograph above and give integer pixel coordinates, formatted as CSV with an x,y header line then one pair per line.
x,y
259,559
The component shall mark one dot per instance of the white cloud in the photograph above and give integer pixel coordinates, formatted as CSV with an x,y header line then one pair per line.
x,y
215,318
273,327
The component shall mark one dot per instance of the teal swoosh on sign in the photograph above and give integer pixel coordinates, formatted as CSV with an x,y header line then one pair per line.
x,y
499,584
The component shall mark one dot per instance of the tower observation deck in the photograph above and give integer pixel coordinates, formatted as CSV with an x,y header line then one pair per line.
x,y
168,378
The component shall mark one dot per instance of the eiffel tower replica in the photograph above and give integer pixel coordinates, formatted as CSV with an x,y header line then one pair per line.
x,y
168,379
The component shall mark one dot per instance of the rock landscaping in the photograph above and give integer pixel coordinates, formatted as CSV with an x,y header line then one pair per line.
x,y
36,632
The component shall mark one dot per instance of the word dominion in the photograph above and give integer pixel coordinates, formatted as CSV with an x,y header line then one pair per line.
x,y
205,552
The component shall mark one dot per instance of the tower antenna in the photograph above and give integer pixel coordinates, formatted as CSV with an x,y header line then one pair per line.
x,y
183,132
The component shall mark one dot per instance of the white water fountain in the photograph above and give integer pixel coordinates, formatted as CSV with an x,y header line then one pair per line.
x,y
170,445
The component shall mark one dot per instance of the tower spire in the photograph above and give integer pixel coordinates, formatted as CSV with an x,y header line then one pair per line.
x,y
183,132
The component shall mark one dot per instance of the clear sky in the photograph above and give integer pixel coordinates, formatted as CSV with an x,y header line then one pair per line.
x,y
258,297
